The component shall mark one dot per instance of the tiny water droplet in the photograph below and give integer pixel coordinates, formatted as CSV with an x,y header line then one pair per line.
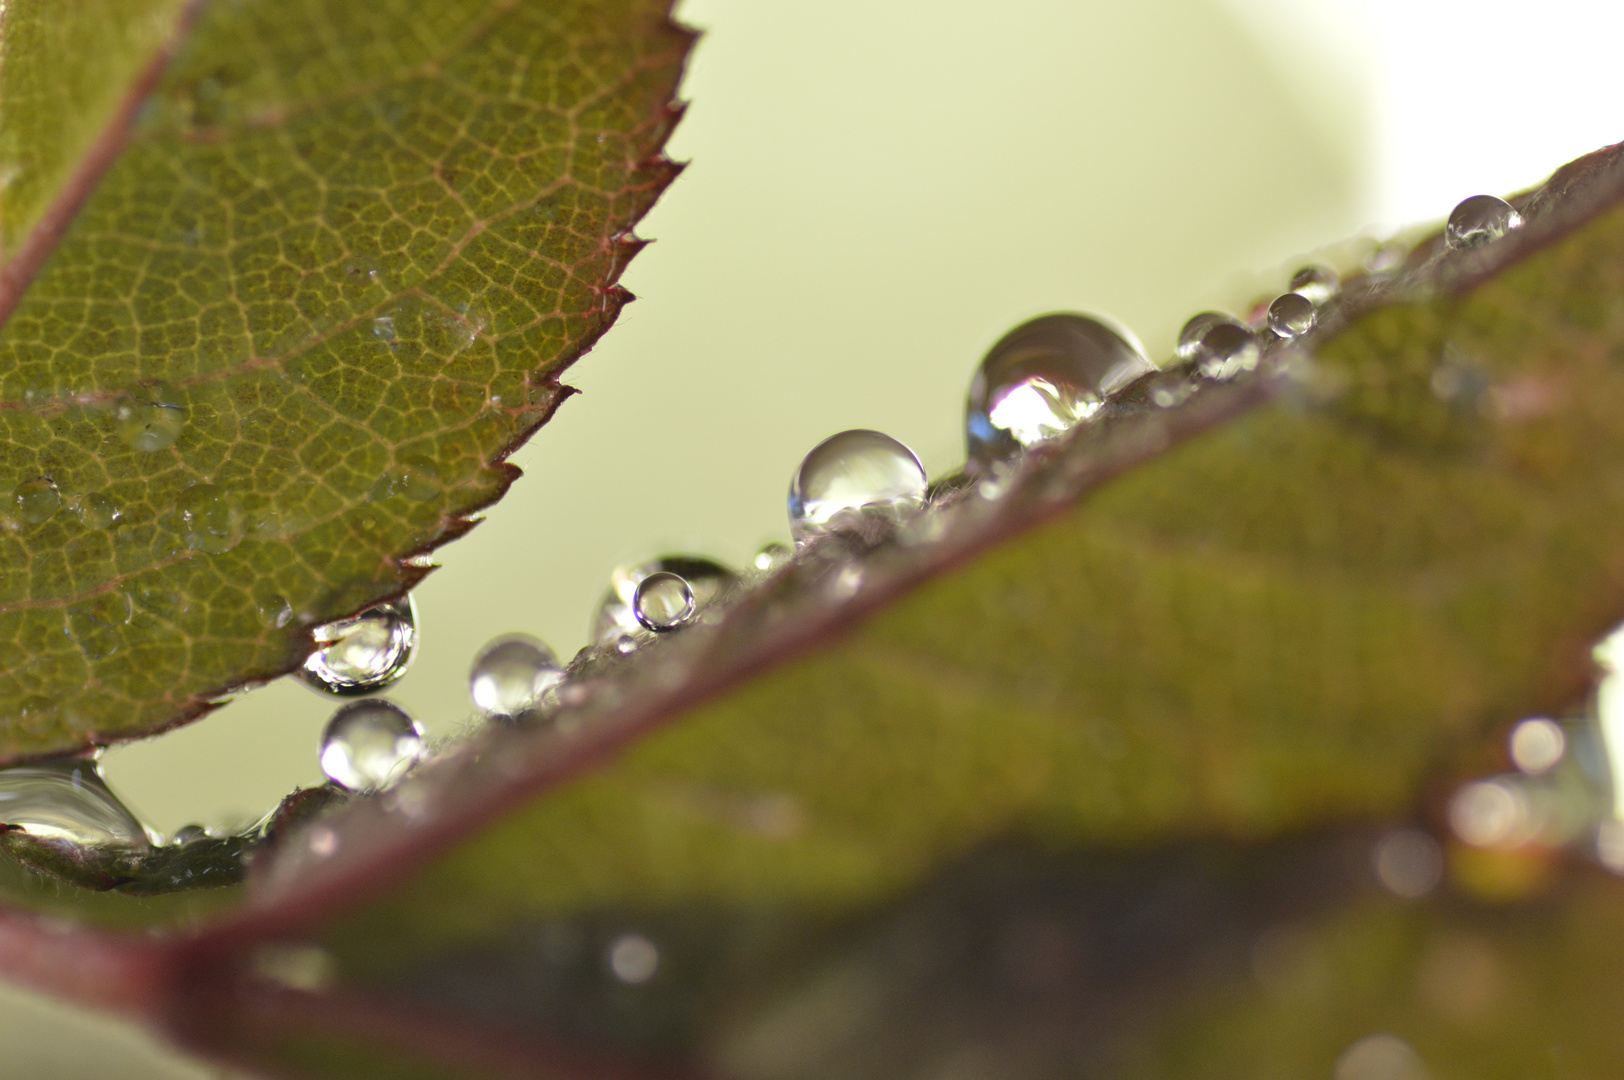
x,y
98,511
188,833
772,556
364,653
67,798
413,476
510,675
1291,315
1387,257
858,481
273,610
149,419
625,644
37,500
1315,283
1479,220
709,580
1042,379
210,519
369,745
663,601
111,608
383,327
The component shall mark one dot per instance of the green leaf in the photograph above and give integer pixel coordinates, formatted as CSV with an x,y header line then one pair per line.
x,y
1176,643
278,317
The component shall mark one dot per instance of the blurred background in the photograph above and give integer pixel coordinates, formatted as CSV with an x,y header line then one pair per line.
x,y
878,190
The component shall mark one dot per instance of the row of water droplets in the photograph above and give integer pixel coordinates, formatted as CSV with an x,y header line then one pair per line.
x,y
1039,382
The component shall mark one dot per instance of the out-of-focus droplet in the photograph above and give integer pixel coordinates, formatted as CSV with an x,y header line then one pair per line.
x,y
1409,863
364,653
709,580
36,500
663,601
860,481
1387,257
510,675
633,959
1315,283
98,511
273,610
1228,349
210,519
67,798
149,419
1291,315
1490,813
1537,744
369,745
772,556
1380,1057
1195,328
1043,378
625,644
1479,220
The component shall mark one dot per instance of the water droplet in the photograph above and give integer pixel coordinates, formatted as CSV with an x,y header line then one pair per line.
x,y
1315,283
1537,745
413,476
510,675
369,745
98,511
364,653
188,833
772,556
1490,813
625,644
663,601
858,481
1409,863
1291,315
1387,257
111,608
1220,346
1042,379
273,610
1195,328
633,959
209,518
1479,220
67,798
709,580
383,327
150,419
36,500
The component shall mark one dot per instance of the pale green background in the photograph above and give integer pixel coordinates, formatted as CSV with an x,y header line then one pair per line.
x,y
879,188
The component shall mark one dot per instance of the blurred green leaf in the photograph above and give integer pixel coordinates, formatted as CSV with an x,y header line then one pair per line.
x,y
302,315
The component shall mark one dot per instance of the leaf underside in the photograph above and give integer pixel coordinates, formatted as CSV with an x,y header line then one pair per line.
x,y
345,252
1083,786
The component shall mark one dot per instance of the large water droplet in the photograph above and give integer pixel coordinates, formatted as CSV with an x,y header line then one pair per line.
x,y
1315,283
150,419
663,601
1291,315
708,579
1043,378
1479,220
369,745
210,519
858,481
511,673
98,511
36,500
67,798
364,653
